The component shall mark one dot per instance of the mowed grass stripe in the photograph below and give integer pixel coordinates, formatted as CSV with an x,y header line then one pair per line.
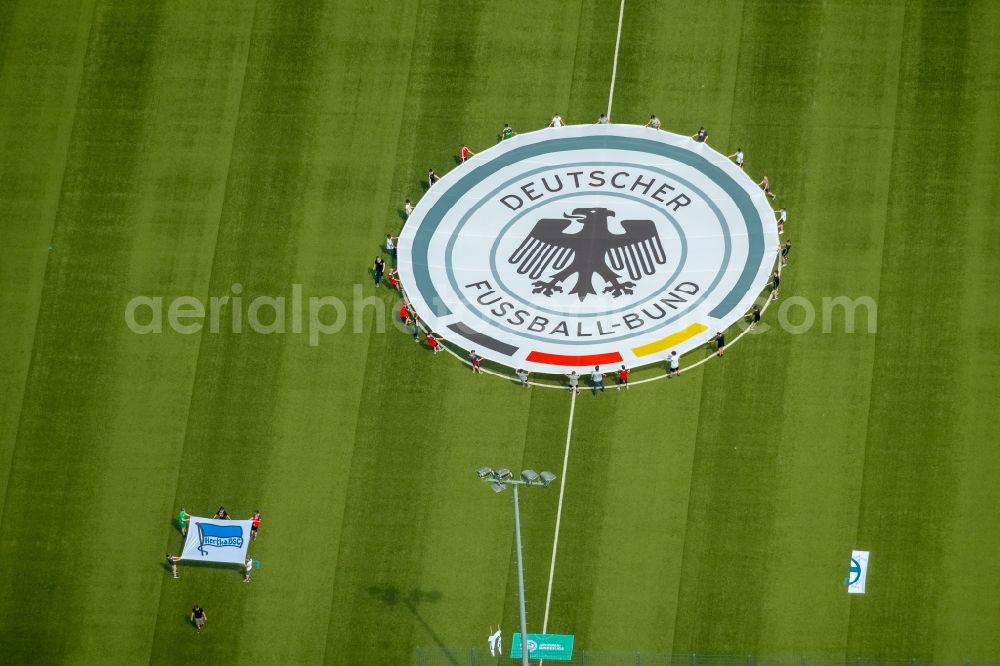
x,y
342,228
821,445
32,167
50,518
721,604
907,497
966,616
393,452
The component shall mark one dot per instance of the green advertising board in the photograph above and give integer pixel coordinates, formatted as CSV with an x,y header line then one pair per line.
x,y
550,647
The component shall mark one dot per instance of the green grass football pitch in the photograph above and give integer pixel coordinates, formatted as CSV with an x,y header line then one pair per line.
x,y
177,148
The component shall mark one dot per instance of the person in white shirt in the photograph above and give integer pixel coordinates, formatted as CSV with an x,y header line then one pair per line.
x,y
574,382
654,122
557,121
407,208
603,119
738,157
782,215
596,380
496,643
673,363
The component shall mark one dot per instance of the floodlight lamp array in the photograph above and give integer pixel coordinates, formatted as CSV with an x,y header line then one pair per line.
x,y
503,477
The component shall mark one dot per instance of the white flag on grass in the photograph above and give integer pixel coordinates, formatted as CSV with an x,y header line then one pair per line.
x,y
858,573
211,540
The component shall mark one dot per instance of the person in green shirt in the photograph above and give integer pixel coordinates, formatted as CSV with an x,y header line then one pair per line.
x,y
182,522
506,132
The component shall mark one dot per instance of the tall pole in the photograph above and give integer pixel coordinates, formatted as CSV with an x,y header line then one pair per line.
x,y
520,581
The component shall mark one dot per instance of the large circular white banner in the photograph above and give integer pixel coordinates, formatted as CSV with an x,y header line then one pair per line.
x,y
588,245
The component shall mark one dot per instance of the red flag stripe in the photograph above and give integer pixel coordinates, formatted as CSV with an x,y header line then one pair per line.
x,y
566,359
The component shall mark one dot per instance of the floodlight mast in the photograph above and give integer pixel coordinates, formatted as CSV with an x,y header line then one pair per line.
x,y
499,480
520,582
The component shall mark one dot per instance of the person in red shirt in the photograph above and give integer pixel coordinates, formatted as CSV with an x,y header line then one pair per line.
x,y
623,378
254,525
404,312
393,279
465,153
476,362
434,344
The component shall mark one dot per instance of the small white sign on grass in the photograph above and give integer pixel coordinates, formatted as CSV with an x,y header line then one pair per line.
x,y
859,572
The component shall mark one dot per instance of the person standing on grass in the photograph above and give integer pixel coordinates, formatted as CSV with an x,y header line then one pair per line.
x,y
414,325
465,153
172,564
407,208
390,245
404,314
623,378
221,514
574,382
476,362
247,569
737,157
785,249
765,185
603,119
720,343
596,380
431,178
701,135
654,122
775,284
198,617
254,525
377,269
782,217
182,522
433,342
754,316
522,376
506,132
556,121
673,364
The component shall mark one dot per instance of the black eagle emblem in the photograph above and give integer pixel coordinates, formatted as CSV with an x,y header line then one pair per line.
x,y
592,249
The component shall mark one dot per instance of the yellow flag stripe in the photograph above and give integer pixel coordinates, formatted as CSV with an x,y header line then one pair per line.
x,y
671,340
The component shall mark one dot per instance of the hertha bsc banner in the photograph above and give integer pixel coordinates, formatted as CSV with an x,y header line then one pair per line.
x,y
212,540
